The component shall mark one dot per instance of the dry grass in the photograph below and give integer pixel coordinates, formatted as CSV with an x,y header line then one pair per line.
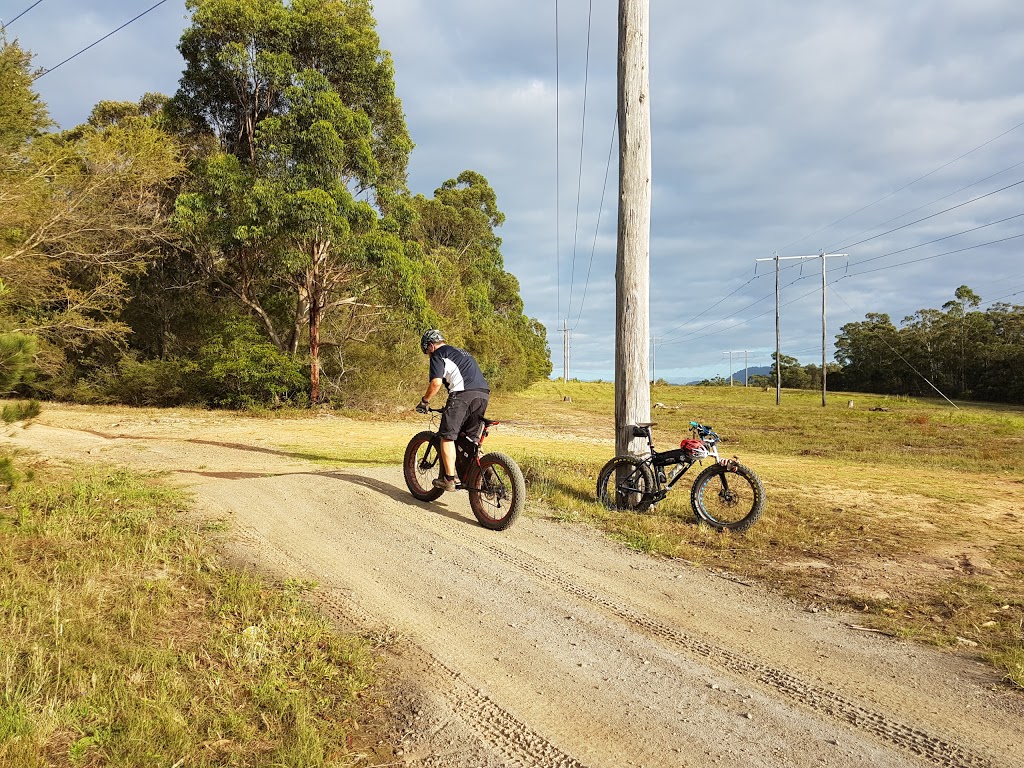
x,y
123,643
913,515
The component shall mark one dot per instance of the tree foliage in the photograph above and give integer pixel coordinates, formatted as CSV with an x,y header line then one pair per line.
x,y
963,351
301,99
80,212
251,240
468,287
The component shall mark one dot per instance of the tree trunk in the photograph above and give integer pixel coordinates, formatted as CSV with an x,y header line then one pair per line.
x,y
314,352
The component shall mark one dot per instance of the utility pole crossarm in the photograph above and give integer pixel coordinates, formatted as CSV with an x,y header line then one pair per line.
x,y
778,350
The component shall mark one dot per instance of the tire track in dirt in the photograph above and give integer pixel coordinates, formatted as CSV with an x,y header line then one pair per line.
x,y
492,721
515,742
919,742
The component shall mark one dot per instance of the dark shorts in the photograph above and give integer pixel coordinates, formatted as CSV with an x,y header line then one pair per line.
x,y
464,413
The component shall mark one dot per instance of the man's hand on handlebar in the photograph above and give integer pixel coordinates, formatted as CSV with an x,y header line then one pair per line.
x,y
422,407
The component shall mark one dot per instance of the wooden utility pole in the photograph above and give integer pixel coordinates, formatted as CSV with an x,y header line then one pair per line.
x,y
824,340
565,351
632,258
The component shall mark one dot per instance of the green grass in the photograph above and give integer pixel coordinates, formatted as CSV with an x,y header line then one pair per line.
x,y
20,411
870,510
123,642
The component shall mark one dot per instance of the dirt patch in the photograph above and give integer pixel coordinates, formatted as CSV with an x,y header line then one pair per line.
x,y
548,645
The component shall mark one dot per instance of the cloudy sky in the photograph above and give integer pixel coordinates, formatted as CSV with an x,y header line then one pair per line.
x,y
879,129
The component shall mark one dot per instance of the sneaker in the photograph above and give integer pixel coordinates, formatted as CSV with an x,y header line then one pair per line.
x,y
444,484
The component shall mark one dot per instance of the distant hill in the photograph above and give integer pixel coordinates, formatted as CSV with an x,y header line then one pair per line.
x,y
758,370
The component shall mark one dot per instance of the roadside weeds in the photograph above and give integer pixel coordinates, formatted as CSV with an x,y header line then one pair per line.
x,y
124,641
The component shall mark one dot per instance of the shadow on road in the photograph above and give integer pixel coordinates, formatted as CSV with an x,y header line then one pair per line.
x,y
387,489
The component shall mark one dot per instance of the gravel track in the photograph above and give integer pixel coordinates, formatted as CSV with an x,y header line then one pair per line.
x,y
547,644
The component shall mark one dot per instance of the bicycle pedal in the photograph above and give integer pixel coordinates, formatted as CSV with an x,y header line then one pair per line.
x,y
658,496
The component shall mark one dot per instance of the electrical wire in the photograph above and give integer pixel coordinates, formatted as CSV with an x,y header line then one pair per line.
x,y
45,72
901,357
5,26
929,258
600,210
558,196
835,247
701,314
932,216
687,336
579,182
936,240
905,186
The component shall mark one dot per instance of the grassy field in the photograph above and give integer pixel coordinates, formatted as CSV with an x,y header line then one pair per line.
x,y
911,512
123,642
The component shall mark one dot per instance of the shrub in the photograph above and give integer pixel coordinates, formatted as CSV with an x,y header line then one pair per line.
x,y
21,411
8,474
240,369
150,382
16,351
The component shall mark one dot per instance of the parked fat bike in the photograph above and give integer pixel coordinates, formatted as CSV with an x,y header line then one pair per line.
x,y
496,487
726,494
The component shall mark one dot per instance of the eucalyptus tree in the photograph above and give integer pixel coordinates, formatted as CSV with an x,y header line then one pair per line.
x,y
468,286
80,211
296,213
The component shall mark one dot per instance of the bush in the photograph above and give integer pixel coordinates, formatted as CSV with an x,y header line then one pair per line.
x,y
8,474
161,383
16,351
20,411
240,369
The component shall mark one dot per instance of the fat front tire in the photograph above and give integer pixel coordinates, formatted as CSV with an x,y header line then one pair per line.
x,y
625,484
728,497
497,491
422,464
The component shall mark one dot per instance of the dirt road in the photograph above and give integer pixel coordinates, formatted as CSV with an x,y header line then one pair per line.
x,y
548,645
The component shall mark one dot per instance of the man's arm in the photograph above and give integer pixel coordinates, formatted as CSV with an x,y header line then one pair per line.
x,y
432,388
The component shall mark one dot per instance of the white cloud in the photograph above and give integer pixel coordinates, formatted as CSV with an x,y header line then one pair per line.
x,y
771,121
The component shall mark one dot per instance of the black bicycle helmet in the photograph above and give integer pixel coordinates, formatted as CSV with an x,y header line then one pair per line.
x,y
430,337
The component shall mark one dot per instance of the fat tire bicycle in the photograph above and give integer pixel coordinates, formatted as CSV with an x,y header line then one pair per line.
x,y
495,483
725,495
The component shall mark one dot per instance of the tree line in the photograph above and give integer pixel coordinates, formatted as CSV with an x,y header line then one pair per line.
x,y
958,350
250,240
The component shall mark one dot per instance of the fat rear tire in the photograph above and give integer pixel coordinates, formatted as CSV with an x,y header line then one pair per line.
x,y
625,484
497,491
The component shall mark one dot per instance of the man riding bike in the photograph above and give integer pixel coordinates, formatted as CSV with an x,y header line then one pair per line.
x,y
468,394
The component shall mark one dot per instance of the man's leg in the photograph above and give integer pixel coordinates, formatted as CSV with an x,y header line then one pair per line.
x,y
451,422
448,456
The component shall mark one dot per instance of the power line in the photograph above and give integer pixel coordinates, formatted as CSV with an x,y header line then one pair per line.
x,y
698,316
936,240
929,258
5,26
919,178
579,182
558,195
936,200
932,216
901,357
1016,291
600,210
45,72
684,337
